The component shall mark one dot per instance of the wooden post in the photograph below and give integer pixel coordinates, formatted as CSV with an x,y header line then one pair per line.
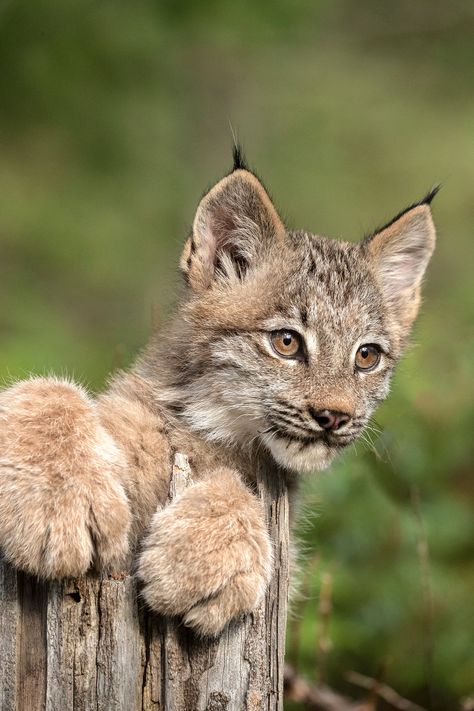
x,y
89,644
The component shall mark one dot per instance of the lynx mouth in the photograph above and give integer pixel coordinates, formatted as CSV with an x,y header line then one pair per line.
x,y
303,449
306,439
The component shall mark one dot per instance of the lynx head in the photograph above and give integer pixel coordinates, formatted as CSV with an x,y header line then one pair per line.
x,y
286,339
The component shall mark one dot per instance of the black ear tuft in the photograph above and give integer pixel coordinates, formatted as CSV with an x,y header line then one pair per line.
x,y
427,200
429,197
238,156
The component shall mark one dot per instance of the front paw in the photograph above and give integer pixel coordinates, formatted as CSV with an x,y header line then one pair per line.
x,y
62,506
208,555
242,593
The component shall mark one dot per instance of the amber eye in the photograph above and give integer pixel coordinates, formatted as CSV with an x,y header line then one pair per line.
x,y
367,357
287,343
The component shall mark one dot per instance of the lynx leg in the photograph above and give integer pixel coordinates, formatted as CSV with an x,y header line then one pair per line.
x,y
62,506
208,555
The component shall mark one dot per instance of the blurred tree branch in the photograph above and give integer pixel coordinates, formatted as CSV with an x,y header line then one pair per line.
x,y
383,691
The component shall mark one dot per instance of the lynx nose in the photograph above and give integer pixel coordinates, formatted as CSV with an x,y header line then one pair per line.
x,y
330,419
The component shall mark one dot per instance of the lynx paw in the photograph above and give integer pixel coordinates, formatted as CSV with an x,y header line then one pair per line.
x,y
242,594
208,555
62,506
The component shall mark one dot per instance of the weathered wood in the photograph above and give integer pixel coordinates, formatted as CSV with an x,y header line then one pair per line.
x,y
243,669
89,644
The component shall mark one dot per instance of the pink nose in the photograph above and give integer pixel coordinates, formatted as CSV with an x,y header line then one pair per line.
x,y
329,419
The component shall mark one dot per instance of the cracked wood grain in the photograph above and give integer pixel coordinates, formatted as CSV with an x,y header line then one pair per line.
x,y
90,645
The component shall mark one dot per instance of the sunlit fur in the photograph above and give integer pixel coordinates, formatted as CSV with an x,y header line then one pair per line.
x,y
84,481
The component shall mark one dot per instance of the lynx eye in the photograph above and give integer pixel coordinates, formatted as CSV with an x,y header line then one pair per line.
x,y
287,343
367,357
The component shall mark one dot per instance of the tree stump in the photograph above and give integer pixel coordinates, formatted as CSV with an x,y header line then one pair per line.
x,y
90,644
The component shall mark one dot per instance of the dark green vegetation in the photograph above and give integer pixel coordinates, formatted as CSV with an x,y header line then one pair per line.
x,y
114,117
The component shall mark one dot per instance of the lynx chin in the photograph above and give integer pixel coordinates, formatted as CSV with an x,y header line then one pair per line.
x,y
283,345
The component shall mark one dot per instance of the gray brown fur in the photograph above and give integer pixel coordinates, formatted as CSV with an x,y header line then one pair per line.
x,y
84,481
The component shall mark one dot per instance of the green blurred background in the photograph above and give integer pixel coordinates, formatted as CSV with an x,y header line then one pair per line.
x,y
114,118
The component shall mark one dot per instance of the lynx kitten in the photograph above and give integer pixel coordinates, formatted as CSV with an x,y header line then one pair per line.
x,y
284,342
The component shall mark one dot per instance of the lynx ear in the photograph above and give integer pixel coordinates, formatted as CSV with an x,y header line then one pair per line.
x,y
400,253
233,223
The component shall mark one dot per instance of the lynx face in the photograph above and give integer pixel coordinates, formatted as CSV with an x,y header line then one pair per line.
x,y
289,339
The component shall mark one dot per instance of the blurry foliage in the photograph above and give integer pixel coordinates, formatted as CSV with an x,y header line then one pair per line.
x,y
114,117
